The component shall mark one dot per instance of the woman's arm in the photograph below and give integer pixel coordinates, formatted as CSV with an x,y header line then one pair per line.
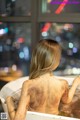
x,y
20,113
11,107
69,93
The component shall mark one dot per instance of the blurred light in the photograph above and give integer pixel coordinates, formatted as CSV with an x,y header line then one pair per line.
x,y
70,45
61,7
49,1
1,48
58,38
44,34
46,27
6,69
75,50
21,40
68,71
76,70
72,71
14,67
21,55
26,53
2,31
6,30
16,44
1,23
65,27
68,26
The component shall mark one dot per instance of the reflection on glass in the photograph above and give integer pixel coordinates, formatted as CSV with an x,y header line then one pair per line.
x,y
15,47
60,6
68,35
15,7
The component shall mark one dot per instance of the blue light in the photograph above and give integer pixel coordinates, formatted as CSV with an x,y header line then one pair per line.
x,y
75,50
21,55
26,53
6,30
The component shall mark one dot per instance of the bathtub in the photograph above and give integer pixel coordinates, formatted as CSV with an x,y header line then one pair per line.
x,y
15,87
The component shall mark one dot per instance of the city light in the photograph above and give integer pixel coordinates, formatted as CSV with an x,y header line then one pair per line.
x,y
46,27
6,30
61,7
70,45
75,50
14,67
26,53
49,1
2,31
44,34
21,55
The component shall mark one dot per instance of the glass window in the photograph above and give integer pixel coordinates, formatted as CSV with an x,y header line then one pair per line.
x,y
15,7
15,46
68,35
60,6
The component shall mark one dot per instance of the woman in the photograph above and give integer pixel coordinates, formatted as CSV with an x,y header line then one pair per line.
x,y
43,91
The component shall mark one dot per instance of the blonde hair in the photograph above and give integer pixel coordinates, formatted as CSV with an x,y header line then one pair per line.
x,y
45,58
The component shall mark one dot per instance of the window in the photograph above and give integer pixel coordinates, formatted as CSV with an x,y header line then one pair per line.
x,y
24,19
60,6
15,8
15,44
68,36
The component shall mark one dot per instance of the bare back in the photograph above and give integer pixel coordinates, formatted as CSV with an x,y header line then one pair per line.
x,y
45,94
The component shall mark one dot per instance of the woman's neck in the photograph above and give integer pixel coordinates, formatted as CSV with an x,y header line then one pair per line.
x,y
48,74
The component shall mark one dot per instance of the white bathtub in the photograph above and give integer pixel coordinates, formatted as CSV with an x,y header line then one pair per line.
x,y
13,86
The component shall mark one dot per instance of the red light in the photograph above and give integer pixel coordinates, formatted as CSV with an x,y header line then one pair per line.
x,y
61,7
1,23
46,27
21,40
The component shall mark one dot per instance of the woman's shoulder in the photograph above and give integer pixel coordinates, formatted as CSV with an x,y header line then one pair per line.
x,y
27,83
63,81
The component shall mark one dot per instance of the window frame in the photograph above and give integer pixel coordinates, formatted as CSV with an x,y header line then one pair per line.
x,y
68,17
37,17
